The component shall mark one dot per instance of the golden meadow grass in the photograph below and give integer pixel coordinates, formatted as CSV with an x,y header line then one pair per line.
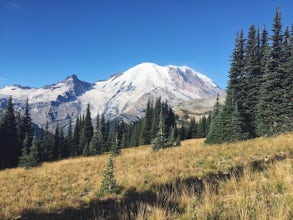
x,y
75,182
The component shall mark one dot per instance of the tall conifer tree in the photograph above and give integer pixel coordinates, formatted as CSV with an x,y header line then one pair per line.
x,y
10,150
27,127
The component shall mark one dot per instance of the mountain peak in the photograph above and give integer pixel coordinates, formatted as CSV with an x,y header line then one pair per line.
x,y
76,86
122,95
73,78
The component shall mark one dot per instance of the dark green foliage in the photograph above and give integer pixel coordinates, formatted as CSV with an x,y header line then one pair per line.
x,y
171,137
273,81
109,185
160,141
203,127
96,145
251,83
115,148
178,142
215,134
105,128
230,122
34,156
134,131
148,123
75,149
56,148
117,136
29,157
26,127
86,151
156,118
68,141
9,147
63,148
193,129
24,158
165,137
46,143
274,108
259,93
237,126
88,129
262,108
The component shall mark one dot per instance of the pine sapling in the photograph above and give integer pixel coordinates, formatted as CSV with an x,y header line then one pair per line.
x,y
109,185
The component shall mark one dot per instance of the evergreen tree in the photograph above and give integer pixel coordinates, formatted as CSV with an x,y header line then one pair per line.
x,y
69,139
237,126
46,152
56,147
141,139
105,133
193,129
75,150
125,140
27,126
29,157
215,135
236,80
262,108
115,148
221,130
134,131
272,88
34,156
82,140
88,128
24,158
202,127
183,132
86,151
251,82
287,82
148,123
160,141
96,145
9,147
109,185
171,138
63,149
156,118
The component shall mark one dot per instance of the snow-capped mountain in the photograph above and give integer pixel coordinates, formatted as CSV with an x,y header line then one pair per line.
x,y
123,94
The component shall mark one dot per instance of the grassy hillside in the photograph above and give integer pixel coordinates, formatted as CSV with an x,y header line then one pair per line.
x,y
238,180
196,108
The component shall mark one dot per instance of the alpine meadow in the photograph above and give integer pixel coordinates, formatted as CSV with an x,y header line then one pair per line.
x,y
117,149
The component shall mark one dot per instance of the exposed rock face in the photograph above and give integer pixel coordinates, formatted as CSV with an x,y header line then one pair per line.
x,y
124,94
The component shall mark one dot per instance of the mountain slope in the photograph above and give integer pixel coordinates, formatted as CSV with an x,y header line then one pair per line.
x,y
197,108
126,94
123,94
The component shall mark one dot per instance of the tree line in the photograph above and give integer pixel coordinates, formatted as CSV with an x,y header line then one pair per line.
x,y
22,145
259,99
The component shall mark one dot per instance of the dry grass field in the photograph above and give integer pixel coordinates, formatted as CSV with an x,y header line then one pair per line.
x,y
160,185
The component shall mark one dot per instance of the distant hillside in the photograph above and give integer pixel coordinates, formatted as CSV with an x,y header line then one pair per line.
x,y
196,108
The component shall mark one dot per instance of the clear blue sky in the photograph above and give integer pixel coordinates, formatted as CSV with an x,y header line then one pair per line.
x,y
44,41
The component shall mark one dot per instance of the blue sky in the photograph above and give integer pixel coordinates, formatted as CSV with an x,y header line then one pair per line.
x,y
44,41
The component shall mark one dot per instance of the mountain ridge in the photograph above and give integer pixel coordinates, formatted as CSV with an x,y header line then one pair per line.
x,y
123,94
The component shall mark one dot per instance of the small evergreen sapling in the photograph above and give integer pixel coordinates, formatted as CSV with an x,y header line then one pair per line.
x,y
109,185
